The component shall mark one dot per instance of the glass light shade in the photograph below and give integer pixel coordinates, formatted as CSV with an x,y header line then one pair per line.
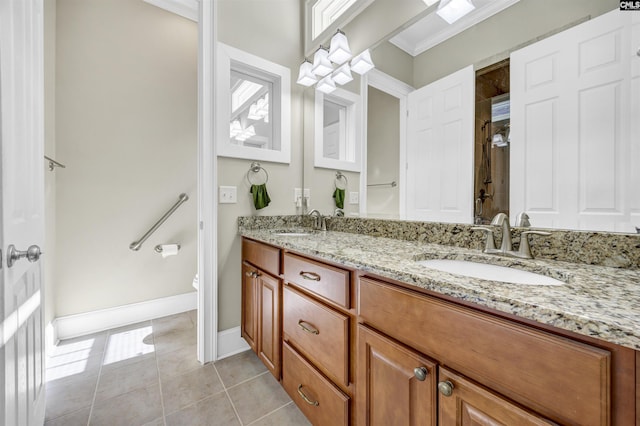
x,y
246,134
321,63
498,141
234,129
339,51
452,10
326,85
306,77
362,63
342,75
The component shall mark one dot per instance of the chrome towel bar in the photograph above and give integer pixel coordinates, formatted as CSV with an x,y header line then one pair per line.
x,y
135,246
391,184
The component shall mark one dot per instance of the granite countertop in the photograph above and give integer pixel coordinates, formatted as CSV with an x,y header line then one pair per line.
x,y
596,301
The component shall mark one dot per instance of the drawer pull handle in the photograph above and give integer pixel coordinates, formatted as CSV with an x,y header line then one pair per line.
x,y
420,373
310,276
445,388
306,398
308,327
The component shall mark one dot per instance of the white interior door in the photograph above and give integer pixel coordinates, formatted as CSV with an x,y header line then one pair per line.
x,y
574,158
22,201
440,150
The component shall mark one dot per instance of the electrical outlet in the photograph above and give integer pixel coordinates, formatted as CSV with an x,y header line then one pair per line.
x,y
354,197
297,195
228,195
307,195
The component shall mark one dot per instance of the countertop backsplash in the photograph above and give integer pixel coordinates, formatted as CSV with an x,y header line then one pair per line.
x,y
586,247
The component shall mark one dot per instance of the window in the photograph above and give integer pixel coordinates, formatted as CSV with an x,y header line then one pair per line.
x,y
256,107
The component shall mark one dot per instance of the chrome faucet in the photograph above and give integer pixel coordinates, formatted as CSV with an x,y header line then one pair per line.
x,y
318,218
506,247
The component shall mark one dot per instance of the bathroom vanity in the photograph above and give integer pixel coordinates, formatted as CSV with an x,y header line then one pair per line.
x,y
360,333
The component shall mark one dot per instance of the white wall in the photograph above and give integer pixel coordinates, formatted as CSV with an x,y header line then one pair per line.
x,y
272,30
126,111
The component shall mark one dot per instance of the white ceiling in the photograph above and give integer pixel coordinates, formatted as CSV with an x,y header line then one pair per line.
x,y
432,29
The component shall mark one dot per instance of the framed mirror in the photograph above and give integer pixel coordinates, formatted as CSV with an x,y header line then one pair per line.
x,y
259,109
337,131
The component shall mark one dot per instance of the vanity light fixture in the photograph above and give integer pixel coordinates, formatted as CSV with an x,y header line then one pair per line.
x,y
321,63
362,63
430,2
306,77
339,51
260,110
324,61
342,75
452,10
235,128
326,85
246,134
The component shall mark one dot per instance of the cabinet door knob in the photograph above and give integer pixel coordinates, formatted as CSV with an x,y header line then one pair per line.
x,y
445,388
420,373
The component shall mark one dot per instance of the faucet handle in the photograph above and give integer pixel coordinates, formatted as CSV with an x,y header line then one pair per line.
x,y
525,249
490,242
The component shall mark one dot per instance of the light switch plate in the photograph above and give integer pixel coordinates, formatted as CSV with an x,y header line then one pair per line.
x,y
228,195
354,197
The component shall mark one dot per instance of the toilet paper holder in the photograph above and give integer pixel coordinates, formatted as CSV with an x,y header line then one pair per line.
x,y
158,248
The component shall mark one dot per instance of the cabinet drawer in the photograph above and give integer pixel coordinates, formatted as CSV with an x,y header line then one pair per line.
x,y
567,381
319,333
326,281
317,398
261,255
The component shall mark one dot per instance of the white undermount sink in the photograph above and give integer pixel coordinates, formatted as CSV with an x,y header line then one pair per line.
x,y
490,272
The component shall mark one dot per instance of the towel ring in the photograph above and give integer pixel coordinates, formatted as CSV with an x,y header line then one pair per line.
x,y
254,169
341,181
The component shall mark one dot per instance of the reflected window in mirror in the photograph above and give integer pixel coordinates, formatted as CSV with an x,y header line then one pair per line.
x,y
337,135
257,107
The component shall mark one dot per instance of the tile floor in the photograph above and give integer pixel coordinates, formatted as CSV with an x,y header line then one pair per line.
x,y
147,374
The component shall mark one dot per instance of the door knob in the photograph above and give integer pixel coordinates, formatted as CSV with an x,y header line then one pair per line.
x,y
32,254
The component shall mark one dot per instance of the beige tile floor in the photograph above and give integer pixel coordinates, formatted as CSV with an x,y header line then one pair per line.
x,y
147,374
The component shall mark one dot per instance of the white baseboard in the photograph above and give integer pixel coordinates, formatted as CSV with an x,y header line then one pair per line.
x,y
230,343
92,322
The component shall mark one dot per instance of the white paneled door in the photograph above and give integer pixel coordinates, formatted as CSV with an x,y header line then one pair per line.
x,y
440,150
22,204
574,127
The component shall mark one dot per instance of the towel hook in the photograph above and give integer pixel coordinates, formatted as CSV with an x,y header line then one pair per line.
x,y
341,179
254,169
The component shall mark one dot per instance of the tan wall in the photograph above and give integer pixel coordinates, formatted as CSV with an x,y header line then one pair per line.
x,y
50,151
492,39
393,61
272,30
126,117
383,154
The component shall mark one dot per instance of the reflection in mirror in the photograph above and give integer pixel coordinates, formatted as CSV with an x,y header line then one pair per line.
x,y
337,137
251,123
334,135
614,209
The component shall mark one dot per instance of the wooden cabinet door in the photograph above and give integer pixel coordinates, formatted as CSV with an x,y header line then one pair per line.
x,y
389,391
249,306
269,342
471,405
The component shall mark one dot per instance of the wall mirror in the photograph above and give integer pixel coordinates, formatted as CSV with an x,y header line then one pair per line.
x,y
337,131
602,189
258,112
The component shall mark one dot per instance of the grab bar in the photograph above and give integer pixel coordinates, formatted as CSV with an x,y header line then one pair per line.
x,y
391,184
135,246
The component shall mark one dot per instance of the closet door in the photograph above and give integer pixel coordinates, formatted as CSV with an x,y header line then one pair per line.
x,y
571,131
440,150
